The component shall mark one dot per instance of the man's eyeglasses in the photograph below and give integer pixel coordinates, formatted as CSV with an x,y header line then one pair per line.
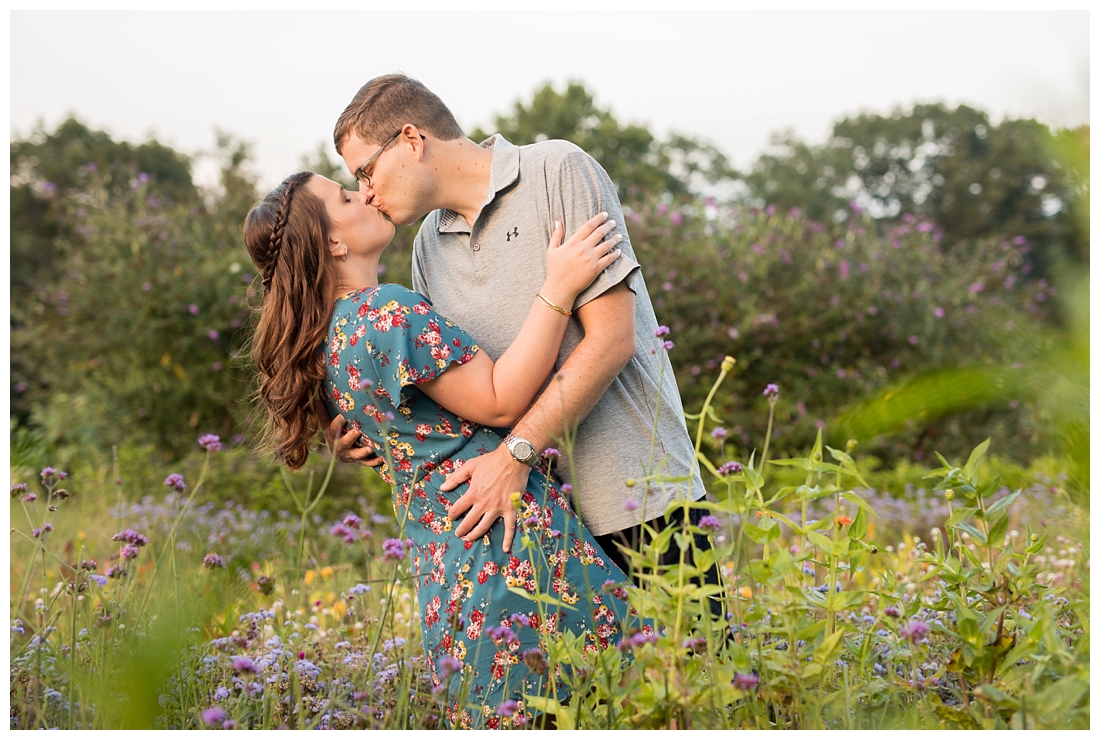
x,y
362,174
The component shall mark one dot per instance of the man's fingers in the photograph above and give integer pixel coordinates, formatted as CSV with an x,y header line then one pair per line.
x,y
509,528
460,505
333,429
471,518
484,524
459,476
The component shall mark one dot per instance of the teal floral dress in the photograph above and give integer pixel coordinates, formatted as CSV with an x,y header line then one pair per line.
x,y
487,616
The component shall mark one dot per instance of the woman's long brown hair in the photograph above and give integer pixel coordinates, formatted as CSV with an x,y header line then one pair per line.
x,y
287,237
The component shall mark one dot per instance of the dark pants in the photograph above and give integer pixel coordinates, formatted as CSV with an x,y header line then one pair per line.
x,y
635,539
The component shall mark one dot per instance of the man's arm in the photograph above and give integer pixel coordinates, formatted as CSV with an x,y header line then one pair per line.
x,y
608,344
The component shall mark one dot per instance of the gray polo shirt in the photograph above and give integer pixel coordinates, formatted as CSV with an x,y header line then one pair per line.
x,y
485,278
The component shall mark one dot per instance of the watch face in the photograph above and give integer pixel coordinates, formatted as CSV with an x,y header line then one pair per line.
x,y
523,450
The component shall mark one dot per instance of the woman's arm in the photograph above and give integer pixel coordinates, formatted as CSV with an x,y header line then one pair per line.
x,y
499,393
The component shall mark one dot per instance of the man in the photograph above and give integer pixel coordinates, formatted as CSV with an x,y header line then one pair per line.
x,y
480,258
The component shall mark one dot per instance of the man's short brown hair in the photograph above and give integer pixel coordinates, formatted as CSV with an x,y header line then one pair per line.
x,y
386,103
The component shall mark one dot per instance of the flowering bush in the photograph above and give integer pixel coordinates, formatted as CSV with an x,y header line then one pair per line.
x,y
835,311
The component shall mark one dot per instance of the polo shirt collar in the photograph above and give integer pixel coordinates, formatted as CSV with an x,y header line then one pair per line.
x,y
503,171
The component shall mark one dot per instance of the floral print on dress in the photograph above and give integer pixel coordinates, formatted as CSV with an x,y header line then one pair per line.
x,y
487,615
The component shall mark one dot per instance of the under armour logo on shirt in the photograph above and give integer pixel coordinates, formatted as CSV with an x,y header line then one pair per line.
x,y
514,232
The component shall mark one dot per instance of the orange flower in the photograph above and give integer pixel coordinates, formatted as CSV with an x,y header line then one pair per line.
x,y
842,520
745,592
763,513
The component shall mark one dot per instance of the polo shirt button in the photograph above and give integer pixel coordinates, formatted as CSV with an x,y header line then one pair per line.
x,y
477,247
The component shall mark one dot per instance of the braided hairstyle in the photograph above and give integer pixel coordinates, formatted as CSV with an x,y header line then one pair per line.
x,y
287,237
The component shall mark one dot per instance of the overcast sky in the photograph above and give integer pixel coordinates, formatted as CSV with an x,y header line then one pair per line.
x,y
279,80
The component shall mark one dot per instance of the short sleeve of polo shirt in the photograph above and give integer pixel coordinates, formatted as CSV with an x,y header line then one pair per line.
x,y
585,189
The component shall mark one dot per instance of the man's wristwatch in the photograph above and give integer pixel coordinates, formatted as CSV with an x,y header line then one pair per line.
x,y
522,450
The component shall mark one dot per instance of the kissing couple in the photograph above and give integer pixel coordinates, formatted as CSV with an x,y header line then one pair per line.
x,y
460,392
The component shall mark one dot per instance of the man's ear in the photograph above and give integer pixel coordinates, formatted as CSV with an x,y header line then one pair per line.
x,y
411,136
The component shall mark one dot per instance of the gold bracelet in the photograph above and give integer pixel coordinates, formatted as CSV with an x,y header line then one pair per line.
x,y
557,308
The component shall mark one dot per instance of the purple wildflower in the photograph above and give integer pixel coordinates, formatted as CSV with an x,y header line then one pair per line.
x,y
892,611
213,334
730,467
710,523
215,715
352,521
343,532
914,631
97,579
938,312
719,433
551,452
566,488
242,664
30,497
128,552
555,534
211,442
131,537
746,681
115,571
771,390
36,532
175,480
661,331
631,505
695,644
520,619
531,521
501,634
18,488
449,665
535,660
213,560
507,708
667,344
193,309
393,549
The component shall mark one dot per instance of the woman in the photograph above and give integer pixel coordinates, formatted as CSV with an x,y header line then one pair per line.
x,y
417,387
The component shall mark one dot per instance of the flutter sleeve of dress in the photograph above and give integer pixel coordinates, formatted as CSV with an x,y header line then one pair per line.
x,y
410,342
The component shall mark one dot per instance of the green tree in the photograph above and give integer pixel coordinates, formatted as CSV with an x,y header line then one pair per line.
x,y
46,168
637,160
135,332
952,166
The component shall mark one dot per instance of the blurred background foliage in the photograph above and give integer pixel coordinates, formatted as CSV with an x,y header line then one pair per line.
x,y
929,240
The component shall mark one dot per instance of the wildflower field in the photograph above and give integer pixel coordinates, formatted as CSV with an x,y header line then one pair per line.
x,y
897,463
956,604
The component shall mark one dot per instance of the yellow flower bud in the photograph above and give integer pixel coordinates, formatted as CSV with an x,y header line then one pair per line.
x,y
852,444
949,494
515,496
630,482
728,363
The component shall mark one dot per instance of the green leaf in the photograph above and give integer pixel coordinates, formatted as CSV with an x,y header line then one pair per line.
x,y
1001,504
543,598
797,529
998,530
975,458
794,462
958,515
823,653
973,532
858,501
761,535
564,715
821,541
